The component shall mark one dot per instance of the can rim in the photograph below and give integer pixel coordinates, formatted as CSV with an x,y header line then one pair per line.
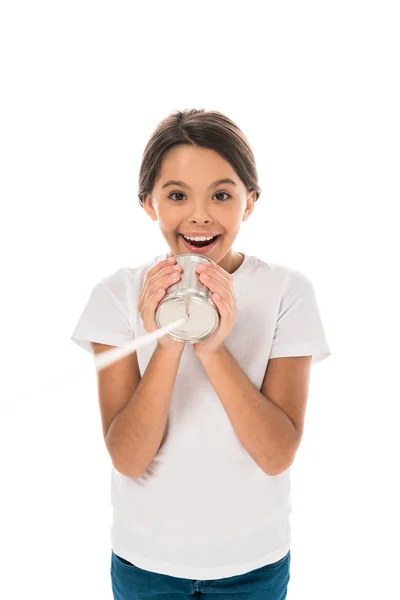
x,y
197,300
193,256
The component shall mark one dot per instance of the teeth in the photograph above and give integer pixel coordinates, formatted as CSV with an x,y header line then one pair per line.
x,y
198,239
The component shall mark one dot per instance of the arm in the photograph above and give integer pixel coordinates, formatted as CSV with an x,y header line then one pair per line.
x,y
135,434
264,428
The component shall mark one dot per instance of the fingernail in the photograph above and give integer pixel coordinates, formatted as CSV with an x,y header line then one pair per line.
x,y
172,259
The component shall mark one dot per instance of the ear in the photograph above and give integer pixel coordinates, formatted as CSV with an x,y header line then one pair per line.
x,y
251,198
148,207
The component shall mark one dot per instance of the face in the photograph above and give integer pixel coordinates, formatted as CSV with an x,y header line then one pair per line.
x,y
200,206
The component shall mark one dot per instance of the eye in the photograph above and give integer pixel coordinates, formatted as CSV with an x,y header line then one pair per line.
x,y
226,194
182,194
179,193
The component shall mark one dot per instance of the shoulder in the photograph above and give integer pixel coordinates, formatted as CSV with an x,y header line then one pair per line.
x,y
117,279
279,275
278,282
128,278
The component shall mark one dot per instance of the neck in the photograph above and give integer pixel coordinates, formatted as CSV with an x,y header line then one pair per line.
x,y
231,262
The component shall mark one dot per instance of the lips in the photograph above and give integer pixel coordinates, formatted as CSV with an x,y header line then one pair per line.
x,y
204,250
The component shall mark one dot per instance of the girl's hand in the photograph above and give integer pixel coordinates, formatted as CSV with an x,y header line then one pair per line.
x,y
221,284
158,279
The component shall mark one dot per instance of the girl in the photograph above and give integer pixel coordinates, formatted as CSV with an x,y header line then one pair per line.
x,y
202,436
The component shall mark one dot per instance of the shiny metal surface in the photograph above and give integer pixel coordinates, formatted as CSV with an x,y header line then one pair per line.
x,y
189,297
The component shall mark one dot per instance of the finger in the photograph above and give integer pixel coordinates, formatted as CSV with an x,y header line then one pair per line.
x,y
218,286
149,311
158,290
153,280
219,271
160,265
161,283
223,307
168,262
153,302
165,281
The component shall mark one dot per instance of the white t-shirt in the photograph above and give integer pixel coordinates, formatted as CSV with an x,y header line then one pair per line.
x,y
204,509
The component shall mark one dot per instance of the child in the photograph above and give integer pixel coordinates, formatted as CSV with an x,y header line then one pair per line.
x,y
202,436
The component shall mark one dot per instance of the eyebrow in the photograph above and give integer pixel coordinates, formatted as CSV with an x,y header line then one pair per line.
x,y
185,185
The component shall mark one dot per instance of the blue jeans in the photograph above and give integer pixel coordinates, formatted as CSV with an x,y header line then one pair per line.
x,y
265,583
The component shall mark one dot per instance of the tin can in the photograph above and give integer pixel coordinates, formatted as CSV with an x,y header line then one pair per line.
x,y
189,298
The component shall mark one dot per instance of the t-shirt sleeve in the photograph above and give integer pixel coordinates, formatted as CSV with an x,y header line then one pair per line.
x,y
299,330
105,318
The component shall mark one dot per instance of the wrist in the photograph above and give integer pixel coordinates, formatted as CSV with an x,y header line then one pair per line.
x,y
169,352
210,354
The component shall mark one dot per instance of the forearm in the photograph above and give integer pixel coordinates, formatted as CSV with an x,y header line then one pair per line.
x,y
135,434
264,430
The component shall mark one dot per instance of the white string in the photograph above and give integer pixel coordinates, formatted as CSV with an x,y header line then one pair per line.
x,y
111,356
103,360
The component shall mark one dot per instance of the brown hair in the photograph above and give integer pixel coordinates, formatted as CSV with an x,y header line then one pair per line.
x,y
198,128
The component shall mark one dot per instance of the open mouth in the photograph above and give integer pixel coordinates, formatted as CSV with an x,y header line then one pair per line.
x,y
200,247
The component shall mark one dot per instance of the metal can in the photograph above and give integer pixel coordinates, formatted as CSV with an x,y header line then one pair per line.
x,y
189,298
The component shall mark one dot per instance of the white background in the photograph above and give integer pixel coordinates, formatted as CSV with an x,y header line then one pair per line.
x,y
315,88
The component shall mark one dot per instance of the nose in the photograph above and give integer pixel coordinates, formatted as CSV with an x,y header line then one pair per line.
x,y
205,221
200,214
